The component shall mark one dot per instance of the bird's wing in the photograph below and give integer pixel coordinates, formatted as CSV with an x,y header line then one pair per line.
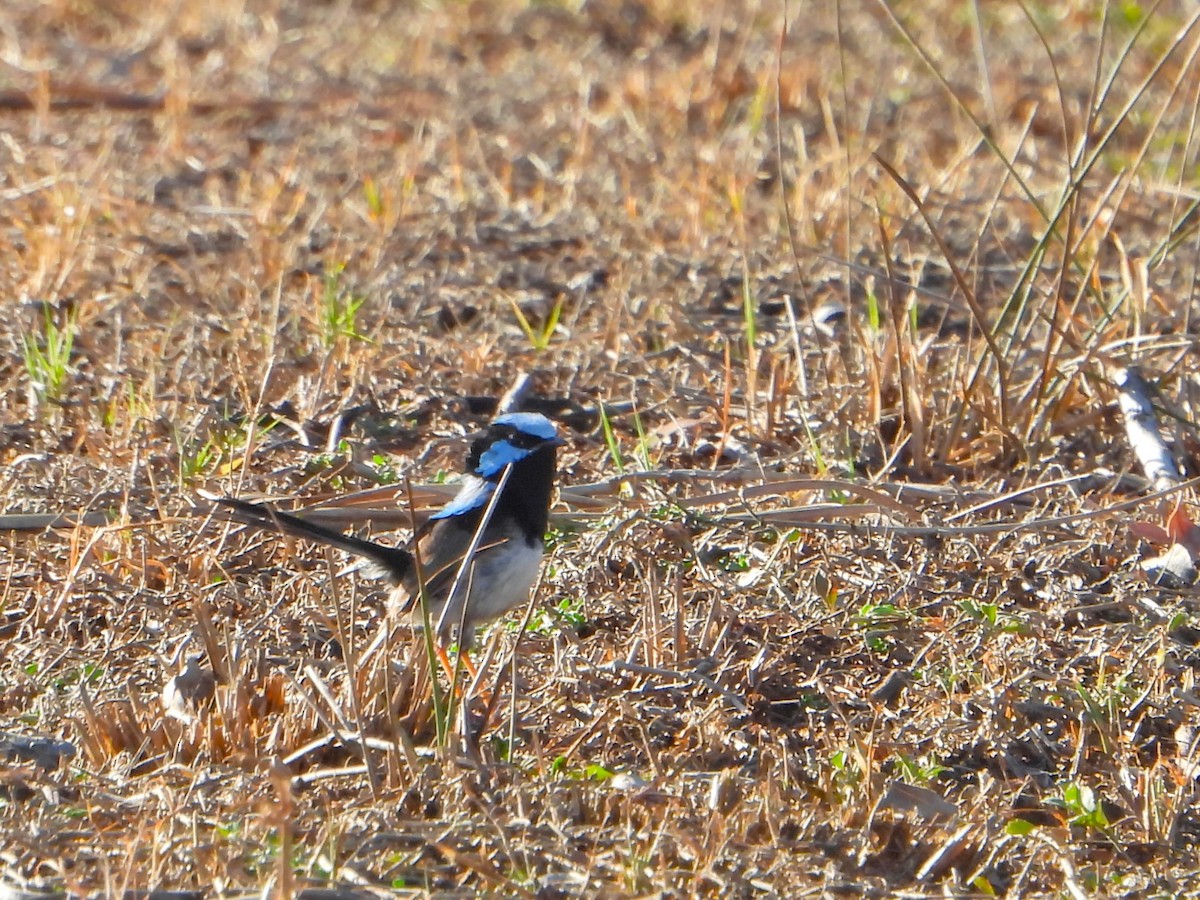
x,y
442,552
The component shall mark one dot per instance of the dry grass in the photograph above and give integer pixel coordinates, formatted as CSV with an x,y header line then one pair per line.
x,y
815,643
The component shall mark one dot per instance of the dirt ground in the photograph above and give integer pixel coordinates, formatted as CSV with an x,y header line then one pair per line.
x,y
844,594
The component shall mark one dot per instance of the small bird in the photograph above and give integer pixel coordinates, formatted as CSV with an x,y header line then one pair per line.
x,y
510,468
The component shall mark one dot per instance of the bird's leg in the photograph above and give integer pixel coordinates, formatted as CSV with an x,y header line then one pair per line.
x,y
468,663
483,694
448,666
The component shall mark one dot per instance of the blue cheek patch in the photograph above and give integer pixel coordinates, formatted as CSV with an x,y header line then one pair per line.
x,y
534,424
493,460
475,494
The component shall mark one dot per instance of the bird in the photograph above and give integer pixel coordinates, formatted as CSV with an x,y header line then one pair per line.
x,y
510,469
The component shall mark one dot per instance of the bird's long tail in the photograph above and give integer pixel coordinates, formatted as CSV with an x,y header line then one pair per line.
x,y
392,563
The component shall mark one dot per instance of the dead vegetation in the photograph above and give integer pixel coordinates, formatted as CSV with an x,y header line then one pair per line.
x,y
843,599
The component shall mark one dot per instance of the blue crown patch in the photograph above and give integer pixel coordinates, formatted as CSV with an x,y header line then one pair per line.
x,y
534,424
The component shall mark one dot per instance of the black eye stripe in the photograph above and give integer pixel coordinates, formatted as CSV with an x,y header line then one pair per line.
x,y
516,437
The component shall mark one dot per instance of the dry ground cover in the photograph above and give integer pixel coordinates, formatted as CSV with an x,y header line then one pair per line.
x,y
844,595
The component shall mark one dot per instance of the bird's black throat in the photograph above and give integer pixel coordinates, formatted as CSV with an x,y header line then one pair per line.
x,y
525,500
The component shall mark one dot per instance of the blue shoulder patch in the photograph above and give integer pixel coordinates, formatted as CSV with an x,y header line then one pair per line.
x,y
531,423
500,454
475,494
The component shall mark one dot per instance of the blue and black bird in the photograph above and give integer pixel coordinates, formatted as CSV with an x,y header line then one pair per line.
x,y
514,458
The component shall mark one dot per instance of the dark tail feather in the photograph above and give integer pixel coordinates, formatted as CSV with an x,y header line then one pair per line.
x,y
393,563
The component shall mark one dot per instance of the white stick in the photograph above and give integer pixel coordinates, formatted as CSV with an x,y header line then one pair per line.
x,y
1141,427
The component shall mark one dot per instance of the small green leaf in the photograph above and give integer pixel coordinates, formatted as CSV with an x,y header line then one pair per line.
x,y
1019,827
984,886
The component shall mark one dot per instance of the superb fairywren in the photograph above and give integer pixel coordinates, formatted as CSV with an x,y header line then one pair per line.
x,y
510,469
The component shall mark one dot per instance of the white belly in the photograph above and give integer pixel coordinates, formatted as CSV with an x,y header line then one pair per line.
x,y
499,582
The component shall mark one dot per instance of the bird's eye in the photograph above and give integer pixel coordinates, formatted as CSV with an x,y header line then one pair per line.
x,y
517,438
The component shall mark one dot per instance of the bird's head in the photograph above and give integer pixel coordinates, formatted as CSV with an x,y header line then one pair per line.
x,y
510,440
